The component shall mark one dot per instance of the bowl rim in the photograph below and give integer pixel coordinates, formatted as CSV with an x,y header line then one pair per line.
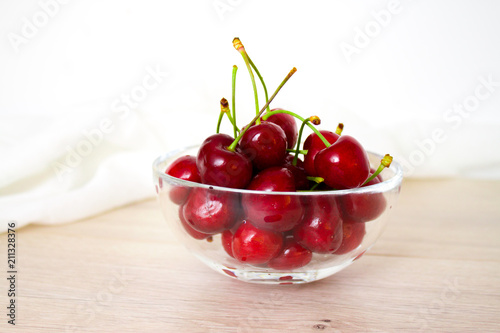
x,y
385,186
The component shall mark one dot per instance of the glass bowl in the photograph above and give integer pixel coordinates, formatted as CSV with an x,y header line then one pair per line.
x,y
350,220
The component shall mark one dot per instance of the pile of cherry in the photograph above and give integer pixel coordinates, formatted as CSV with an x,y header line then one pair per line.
x,y
279,231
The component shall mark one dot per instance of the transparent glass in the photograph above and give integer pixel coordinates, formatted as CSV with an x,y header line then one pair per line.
x,y
370,206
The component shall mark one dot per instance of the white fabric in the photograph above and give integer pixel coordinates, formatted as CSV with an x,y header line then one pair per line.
x,y
58,175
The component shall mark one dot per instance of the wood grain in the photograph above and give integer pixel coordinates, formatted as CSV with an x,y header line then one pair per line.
x,y
436,268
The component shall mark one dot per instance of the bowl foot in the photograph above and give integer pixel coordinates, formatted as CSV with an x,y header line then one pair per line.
x,y
269,276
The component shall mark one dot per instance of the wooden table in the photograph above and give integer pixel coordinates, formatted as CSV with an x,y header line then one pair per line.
x,y
436,268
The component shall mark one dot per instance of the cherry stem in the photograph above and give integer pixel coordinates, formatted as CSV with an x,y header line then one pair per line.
x,y
313,187
260,78
268,114
221,115
240,48
316,179
233,145
233,87
384,163
224,109
301,151
339,129
316,121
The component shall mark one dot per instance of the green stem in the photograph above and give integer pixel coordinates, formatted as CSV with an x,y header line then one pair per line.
x,y
232,147
219,121
256,96
267,115
233,102
316,121
260,78
313,187
384,163
236,129
316,179
241,49
301,151
224,108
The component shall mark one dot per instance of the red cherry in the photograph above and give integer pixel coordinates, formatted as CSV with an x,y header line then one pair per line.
x,y
314,145
292,256
265,145
227,242
287,124
274,211
321,229
189,229
210,211
363,207
344,164
184,168
255,246
353,234
298,171
276,179
289,160
220,166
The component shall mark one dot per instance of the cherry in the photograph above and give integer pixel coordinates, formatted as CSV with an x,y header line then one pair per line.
x,y
276,179
227,242
289,160
274,212
265,145
184,168
363,207
344,164
293,255
287,124
314,145
298,171
255,246
220,166
210,211
353,234
321,229
189,229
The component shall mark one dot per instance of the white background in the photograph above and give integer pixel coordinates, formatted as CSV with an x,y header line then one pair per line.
x,y
62,78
